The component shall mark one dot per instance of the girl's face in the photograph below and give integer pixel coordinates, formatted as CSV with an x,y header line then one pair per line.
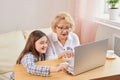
x,y
62,29
41,44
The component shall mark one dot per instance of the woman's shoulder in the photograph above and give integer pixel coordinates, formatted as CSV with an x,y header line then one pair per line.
x,y
75,38
72,34
52,36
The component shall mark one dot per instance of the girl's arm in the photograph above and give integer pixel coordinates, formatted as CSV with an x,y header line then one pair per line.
x,y
28,62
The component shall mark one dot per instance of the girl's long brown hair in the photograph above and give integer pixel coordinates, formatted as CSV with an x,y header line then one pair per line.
x,y
30,45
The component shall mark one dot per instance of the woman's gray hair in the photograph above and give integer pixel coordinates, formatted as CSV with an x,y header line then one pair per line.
x,y
62,16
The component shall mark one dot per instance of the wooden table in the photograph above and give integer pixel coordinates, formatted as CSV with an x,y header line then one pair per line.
x,y
111,68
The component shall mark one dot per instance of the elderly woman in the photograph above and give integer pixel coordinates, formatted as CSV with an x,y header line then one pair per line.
x,y
62,39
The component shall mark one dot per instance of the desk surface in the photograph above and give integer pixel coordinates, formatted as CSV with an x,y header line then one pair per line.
x,y
111,67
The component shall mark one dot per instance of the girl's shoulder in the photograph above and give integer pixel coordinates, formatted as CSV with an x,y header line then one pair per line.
x,y
29,55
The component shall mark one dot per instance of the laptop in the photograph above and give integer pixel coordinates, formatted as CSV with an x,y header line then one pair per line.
x,y
117,45
88,57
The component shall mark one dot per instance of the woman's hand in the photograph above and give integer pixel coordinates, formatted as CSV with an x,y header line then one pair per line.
x,y
68,54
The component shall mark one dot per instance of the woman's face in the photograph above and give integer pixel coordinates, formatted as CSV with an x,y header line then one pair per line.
x,y
41,44
62,29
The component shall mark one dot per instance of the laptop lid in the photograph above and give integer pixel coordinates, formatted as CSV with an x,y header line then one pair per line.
x,y
89,56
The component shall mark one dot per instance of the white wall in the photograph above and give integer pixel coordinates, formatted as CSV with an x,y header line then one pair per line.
x,y
28,14
109,31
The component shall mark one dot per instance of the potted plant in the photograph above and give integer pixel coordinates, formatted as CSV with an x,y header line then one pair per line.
x,y
113,11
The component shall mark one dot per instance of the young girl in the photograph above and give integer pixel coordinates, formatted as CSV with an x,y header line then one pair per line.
x,y
34,51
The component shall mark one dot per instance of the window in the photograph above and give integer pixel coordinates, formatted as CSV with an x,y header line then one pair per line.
x,y
106,7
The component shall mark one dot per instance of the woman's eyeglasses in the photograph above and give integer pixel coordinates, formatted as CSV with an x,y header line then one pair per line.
x,y
67,28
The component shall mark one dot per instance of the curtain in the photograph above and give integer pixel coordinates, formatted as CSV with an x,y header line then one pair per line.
x,y
85,13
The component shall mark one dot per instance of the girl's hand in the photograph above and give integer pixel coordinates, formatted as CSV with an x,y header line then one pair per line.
x,y
61,67
55,69
64,66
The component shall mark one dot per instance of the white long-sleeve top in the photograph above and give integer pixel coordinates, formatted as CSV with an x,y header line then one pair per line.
x,y
55,47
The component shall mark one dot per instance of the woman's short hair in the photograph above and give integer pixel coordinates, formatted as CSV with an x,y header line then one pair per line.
x,y
62,16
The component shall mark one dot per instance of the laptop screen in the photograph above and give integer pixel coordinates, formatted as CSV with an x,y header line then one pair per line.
x,y
89,56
